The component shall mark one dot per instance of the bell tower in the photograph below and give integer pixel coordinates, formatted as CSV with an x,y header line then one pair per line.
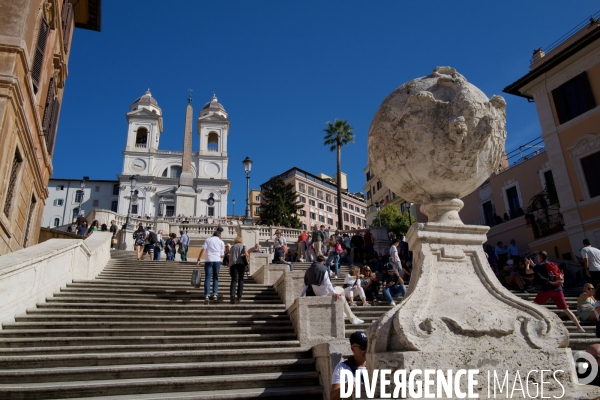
x,y
145,124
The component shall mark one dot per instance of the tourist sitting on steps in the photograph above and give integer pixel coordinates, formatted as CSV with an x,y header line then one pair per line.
x,y
353,287
370,284
393,285
279,257
358,345
317,283
585,303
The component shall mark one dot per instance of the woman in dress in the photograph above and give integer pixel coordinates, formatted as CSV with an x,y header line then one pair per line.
x,y
585,303
139,236
353,288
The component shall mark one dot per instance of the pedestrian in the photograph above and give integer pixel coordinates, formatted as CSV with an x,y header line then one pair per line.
x,y
394,256
139,236
317,283
95,227
358,244
170,247
279,257
184,242
159,245
81,219
591,262
149,243
358,361
237,269
500,254
310,250
225,261
302,246
113,229
317,240
215,251
82,228
393,285
552,288
72,228
333,256
512,250
369,241
278,241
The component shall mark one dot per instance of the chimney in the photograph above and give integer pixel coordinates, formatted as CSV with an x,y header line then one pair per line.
x,y
538,54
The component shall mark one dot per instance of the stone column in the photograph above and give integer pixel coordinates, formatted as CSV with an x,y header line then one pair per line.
x,y
186,196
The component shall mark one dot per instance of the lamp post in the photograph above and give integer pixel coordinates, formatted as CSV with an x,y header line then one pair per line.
x,y
407,205
133,182
82,185
378,206
247,167
161,203
232,209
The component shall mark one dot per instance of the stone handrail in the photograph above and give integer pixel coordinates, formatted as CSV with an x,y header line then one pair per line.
x,y
30,275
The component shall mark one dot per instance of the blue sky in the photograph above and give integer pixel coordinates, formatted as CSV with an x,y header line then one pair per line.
x,y
282,69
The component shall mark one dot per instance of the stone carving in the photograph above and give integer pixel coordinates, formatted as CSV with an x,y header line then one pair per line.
x,y
485,193
433,140
584,144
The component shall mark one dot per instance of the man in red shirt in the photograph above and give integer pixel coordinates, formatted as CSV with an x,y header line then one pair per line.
x,y
302,246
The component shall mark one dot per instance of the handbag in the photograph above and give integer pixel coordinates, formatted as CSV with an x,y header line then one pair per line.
x,y
196,278
349,285
245,262
114,241
180,249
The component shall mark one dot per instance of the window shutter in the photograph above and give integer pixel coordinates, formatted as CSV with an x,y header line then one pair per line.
x,y
51,135
586,90
561,107
40,50
67,23
48,107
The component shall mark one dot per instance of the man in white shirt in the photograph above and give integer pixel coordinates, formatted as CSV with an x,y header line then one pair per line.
x,y
394,254
215,250
591,262
358,361
317,279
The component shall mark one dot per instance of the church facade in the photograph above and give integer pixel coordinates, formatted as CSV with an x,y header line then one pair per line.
x,y
175,183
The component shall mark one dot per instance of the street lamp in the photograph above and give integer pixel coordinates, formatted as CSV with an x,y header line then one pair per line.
x,y
161,203
232,209
82,185
406,205
378,206
133,182
247,167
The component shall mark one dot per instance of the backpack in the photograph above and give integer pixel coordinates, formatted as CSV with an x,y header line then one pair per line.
x,y
555,276
152,238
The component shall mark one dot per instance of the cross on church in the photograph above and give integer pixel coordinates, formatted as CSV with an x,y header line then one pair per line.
x,y
190,96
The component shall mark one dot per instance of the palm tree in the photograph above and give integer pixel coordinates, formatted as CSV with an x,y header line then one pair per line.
x,y
337,135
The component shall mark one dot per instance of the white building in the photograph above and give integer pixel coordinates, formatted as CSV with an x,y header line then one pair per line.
x,y
165,184
66,195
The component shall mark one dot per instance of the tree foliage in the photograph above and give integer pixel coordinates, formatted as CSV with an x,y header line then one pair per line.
x,y
281,205
394,220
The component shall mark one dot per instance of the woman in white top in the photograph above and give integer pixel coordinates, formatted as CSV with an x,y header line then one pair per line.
x,y
353,288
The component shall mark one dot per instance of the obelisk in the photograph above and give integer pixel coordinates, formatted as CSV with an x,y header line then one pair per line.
x,y
186,195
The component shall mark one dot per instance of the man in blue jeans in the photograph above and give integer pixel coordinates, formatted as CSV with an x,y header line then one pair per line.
x,y
184,240
392,283
279,257
215,250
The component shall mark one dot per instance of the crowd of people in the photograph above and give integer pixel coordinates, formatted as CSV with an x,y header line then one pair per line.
x,y
153,244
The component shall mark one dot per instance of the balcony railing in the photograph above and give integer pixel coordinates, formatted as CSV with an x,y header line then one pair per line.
x,y
549,225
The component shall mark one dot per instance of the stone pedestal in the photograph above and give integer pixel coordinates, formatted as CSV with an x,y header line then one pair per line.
x,y
318,320
185,201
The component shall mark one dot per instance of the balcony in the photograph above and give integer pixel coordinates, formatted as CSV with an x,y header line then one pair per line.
x,y
547,225
140,145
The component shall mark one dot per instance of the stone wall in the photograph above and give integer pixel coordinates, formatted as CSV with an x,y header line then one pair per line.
x,y
30,275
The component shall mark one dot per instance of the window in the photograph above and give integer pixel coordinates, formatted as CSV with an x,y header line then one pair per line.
x,y
50,118
302,199
12,182
369,194
513,202
364,223
351,207
346,227
590,166
321,206
352,219
56,222
573,98
311,202
488,213
313,216
363,211
116,190
60,187
330,221
335,201
211,211
379,185
141,137
319,195
374,191
134,209
328,198
213,142
346,218
256,210
256,198
302,213
357,221
114,205
329,209
40,51
75,213
29,218
58,202
95,204
302,188
344,204
79,196
170,211
67,23
311,191
97,189
175,172
550,187
387,198
321,218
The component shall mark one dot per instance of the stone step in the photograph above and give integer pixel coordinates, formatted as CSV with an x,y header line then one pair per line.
x,y
169,313
159,284
154,357
197,306
182,295
73,340
158,370
133,287
152,325
107,348
50,390
198,318
149,300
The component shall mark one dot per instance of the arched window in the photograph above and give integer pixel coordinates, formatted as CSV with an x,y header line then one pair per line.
x,y
165,172
213,141
56,222
175,172
141,137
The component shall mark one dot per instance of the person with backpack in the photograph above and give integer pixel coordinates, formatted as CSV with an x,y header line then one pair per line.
x,y
358,344
552,280
149,243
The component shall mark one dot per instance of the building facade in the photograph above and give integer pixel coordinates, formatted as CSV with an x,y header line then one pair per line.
x,y
66,198
175,183
564,83
255,201
318,195
35,44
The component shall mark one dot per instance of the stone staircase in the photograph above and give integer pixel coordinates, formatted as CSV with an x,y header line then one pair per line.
x,y
140,331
